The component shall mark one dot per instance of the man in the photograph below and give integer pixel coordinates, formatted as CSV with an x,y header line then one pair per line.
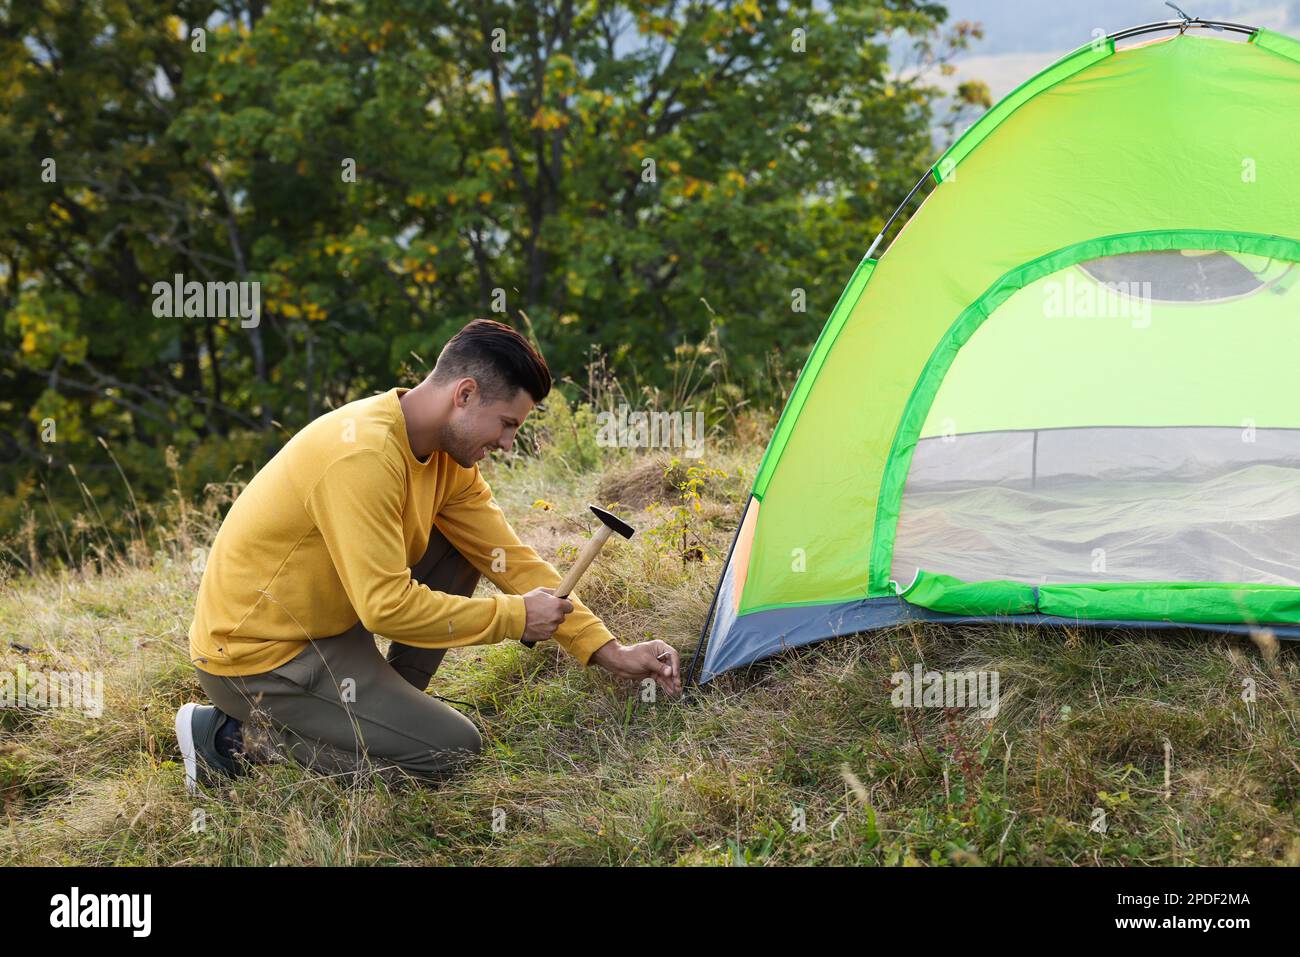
x,y
375,519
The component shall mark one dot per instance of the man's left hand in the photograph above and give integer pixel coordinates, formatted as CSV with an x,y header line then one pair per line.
x,y
646,659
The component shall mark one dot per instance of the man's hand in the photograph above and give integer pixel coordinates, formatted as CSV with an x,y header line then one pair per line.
x,y
646,659
545,613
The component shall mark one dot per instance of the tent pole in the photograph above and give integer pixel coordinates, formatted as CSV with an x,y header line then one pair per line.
x,y
889,222
1183,25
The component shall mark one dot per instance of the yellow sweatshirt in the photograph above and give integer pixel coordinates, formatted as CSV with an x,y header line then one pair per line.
x,y
326,532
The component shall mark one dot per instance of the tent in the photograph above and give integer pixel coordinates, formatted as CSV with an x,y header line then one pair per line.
x,y
1069,390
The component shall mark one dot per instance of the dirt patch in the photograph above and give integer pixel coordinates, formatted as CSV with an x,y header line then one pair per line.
x,y
641,483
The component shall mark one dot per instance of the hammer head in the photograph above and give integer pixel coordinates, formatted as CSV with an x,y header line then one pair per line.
x,y
613,521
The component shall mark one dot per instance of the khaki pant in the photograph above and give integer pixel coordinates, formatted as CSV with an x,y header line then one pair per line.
x,y
339,706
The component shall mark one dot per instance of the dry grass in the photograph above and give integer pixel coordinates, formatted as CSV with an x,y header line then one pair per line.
x,y
801,759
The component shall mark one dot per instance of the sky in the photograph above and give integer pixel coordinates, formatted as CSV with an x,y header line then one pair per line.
x,y
1021,38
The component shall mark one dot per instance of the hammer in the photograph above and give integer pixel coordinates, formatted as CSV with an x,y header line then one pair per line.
x,y
609,522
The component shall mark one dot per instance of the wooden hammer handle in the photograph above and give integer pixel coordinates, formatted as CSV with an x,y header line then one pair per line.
x,y
585,558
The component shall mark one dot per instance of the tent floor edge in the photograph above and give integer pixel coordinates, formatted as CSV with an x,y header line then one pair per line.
x,y
701,645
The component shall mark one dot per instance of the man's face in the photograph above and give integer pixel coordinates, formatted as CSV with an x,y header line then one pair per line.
x,y
476,428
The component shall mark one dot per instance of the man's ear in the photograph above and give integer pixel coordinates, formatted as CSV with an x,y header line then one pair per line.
x,y
465,390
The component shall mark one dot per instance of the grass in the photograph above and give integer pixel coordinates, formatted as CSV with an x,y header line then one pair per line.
x,y
798,760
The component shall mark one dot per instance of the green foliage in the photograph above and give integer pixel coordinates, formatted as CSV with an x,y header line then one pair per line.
x,y
676,533
567,433
637,176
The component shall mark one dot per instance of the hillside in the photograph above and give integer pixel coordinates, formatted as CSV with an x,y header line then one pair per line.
x,y
799,760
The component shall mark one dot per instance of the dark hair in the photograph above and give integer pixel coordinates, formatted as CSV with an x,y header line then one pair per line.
x,y
499,359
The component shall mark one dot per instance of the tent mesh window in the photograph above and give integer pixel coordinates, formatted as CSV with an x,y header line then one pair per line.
x,y
1132,418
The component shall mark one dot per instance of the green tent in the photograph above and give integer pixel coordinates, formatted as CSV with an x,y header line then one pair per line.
x,y
1070,389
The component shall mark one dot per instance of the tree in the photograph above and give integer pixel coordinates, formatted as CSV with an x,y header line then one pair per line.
x,y
617,174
